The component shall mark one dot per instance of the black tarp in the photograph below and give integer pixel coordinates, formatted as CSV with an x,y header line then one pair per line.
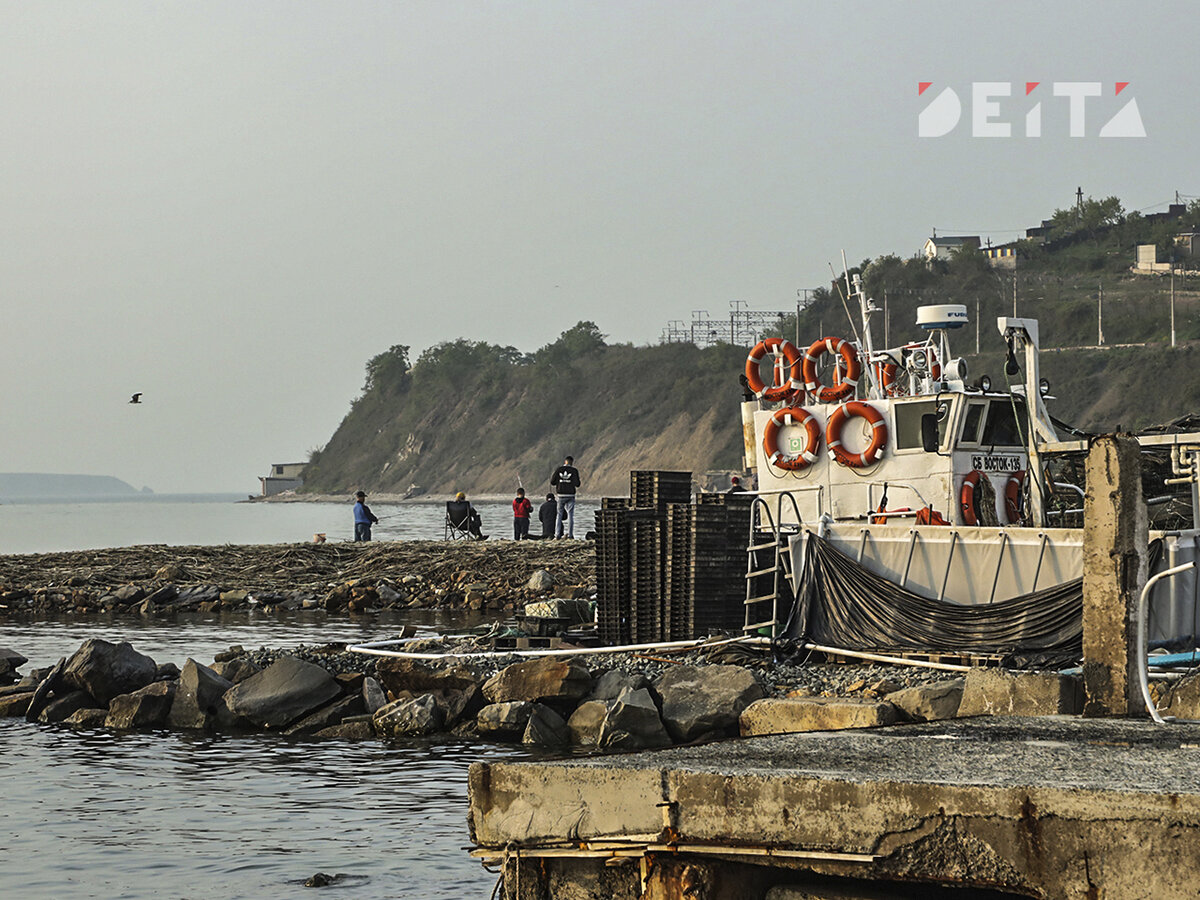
x,y
842,604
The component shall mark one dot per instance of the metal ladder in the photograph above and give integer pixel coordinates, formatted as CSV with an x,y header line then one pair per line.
x,y
775,537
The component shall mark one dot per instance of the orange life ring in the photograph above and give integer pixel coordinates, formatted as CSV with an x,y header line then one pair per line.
x,y
849,382
776,347
967,500
837,421
791,416
1012,497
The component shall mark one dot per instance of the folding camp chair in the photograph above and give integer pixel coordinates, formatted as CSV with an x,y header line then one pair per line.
x,y
458,521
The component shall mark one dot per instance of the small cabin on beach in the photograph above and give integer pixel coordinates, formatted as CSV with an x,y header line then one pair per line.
x,y
283,477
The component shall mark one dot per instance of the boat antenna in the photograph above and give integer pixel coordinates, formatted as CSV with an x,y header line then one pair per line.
x,y
842,295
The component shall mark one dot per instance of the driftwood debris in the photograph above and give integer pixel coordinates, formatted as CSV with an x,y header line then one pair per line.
x,y
298,567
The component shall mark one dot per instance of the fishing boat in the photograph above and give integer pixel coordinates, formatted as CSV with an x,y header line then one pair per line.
x,y
909,506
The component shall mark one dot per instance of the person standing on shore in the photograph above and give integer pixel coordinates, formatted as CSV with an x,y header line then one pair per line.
x,y
521,511
363,518
548,516
565,481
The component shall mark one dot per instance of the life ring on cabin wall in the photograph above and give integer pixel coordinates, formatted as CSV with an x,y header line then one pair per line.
x,y
848,382
791,416
837,422
967,501
1012,497
776,347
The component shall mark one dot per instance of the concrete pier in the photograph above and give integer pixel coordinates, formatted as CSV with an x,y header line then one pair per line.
x,y
1053,807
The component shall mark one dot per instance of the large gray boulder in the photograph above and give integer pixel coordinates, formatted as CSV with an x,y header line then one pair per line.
x,y
705,701
236,670
633,723
545,728
504,721
929,702
198,698
61,708
329,715
107,670
10,661
583,727
147,707
281,693
611,683
419,715
456,690
548,679
373,696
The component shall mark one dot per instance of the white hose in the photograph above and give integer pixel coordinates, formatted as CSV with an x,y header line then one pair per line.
x,y
1142,661
374,648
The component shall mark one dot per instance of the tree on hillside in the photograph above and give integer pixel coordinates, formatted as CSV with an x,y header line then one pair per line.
x,y
388,370
1090,217
581,340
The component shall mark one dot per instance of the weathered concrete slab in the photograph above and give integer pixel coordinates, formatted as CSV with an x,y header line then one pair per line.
x,y
996,692
791,715
1044,807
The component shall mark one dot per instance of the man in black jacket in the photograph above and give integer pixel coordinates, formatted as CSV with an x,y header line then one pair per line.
x,y
548,516
565,481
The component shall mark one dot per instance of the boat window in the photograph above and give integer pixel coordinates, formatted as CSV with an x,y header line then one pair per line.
x,y
971,422
1002,429
908,422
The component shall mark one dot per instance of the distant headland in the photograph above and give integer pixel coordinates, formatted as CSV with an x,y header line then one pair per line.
x,y
18,486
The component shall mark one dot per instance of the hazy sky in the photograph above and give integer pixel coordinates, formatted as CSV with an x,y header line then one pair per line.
x,y
232,206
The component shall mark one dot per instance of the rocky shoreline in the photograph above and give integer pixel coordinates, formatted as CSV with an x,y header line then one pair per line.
x,y
607,702
341,578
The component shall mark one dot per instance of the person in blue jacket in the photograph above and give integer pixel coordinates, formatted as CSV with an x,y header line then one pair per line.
x,y
363,518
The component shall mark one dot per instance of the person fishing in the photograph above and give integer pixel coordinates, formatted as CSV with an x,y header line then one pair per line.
x,y
522,509
565,481
363,518
548,516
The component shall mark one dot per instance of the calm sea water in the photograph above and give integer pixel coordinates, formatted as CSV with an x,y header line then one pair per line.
x,y
93,814
218,519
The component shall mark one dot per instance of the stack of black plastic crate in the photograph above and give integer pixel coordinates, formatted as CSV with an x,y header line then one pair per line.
x,y
668,569
612,571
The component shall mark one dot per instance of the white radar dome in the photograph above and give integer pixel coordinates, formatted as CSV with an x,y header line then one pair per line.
x,y
947,315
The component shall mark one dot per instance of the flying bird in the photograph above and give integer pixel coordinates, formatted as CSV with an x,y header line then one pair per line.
x,y
136,398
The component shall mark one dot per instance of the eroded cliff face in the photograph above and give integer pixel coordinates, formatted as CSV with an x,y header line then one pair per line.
x,y
620,408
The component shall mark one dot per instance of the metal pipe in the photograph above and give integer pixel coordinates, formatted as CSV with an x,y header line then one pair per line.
x,y
1041,554
912,545
949,562
1143,664
999,563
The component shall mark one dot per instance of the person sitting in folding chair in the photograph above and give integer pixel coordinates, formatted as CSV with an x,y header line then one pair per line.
x,y
462,521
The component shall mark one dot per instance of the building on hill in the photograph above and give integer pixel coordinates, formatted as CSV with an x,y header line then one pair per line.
x,y
1002,257
283,477
943,247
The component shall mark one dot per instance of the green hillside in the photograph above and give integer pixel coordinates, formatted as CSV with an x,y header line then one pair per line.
x,y
476,416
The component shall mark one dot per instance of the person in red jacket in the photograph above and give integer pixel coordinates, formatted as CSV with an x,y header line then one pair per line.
x,y
521,510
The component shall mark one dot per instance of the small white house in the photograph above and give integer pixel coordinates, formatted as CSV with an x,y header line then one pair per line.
x,y
283,477
944,247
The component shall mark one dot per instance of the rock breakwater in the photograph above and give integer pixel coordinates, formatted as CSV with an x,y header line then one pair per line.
x,y
341,578
608,702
